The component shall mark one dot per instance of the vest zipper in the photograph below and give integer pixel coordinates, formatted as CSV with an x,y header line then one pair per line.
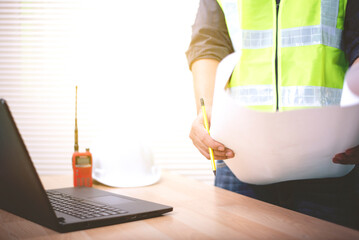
x,y
276,58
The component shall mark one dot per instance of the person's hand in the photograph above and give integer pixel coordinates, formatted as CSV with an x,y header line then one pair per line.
x,y
350,156
202,140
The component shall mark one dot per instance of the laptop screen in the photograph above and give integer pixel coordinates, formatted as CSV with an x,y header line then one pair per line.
x,y
21,189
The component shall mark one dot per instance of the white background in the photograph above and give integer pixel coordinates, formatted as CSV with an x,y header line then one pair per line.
x,y
128,60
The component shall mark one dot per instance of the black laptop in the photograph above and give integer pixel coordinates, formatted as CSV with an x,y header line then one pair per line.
x,y
65,209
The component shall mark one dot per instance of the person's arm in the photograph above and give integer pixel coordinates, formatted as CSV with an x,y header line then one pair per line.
x,y
210,38
204,72
350,37
210,43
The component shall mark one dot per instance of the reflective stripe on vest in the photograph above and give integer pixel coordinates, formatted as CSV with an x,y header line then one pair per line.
x,y
311,65
300,96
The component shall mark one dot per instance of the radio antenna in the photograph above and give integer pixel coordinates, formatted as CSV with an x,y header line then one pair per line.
x,y
76,130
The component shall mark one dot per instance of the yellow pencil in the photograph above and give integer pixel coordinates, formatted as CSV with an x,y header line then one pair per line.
x,y
205,120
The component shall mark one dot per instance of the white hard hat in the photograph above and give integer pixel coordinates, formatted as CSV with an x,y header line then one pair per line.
x,y
120,161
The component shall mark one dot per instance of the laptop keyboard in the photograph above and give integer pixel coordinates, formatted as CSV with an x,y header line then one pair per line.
x,y
80,208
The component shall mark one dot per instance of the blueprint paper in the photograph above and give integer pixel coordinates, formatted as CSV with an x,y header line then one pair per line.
x,y
348,97
279,146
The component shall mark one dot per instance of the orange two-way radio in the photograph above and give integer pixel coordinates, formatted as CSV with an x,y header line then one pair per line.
x,y
81,161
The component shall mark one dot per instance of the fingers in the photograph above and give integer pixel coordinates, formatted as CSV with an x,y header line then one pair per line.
x,y
218,154
202,141
350,156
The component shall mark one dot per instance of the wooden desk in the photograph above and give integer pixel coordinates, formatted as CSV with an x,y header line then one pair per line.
x,y
200,212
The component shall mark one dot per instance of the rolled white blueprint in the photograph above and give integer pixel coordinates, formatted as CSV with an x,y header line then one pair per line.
x,y
273,147
350,94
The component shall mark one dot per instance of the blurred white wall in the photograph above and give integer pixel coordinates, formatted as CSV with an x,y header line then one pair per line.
x,y
128,60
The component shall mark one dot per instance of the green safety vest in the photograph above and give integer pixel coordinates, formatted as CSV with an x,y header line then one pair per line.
x,y
305,38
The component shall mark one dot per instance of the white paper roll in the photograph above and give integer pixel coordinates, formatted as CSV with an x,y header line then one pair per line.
x,y
350,94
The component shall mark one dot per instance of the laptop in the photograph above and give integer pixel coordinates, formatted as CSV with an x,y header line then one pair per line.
x,y
65,209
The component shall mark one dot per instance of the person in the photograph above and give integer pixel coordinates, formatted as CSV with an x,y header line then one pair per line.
x,y
319,39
